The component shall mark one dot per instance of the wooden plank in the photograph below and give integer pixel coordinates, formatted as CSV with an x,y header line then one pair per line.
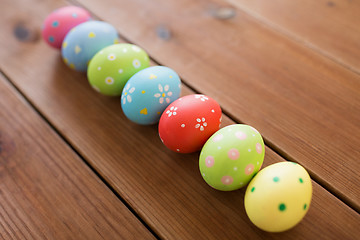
x,y
330,27
163,187
46,191
305,105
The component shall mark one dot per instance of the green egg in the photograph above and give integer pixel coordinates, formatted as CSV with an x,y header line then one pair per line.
x,y
113,66
231,157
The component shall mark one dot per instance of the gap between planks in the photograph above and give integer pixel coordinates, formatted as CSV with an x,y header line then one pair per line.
x,y
65,140
292,37
268,143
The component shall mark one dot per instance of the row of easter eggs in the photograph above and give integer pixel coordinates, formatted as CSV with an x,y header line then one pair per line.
x,y
230,157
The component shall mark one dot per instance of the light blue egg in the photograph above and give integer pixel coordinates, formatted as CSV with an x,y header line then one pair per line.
x,y
148,92
84,41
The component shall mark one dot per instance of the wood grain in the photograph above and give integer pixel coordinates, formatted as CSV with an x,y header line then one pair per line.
x,y
305,105
46,191
163,187
330,27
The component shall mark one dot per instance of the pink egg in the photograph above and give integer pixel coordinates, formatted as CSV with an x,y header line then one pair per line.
x,y
60,22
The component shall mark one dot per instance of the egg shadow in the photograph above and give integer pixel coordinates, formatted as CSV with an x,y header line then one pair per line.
x,y
75,86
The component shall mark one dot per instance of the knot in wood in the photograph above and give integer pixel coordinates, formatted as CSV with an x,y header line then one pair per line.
x,y
163,32
24,33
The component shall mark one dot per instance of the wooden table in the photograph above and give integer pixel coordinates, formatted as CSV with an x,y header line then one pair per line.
x,y
73,167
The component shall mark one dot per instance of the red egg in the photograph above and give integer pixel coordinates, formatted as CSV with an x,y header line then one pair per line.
x,y
188,122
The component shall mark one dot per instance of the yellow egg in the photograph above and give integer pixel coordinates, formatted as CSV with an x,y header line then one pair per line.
x,y
278,197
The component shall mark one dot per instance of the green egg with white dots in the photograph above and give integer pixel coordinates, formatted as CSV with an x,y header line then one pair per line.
x,y
278,197
231,157
113,66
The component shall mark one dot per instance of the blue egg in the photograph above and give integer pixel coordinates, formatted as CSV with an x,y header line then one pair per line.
x,y
148,92
84,41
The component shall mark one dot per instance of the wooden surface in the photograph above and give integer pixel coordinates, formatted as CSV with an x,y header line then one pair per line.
x,y
330,27
282,90
46,190
303,101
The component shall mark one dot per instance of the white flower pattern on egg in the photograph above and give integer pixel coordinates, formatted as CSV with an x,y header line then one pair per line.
x,y
136,63
201,97
127,94
111,57
201,124
109,80
171,111
135,48
164,92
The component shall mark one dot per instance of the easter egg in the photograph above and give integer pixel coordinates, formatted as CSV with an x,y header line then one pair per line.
x,y
188,122
113,66
84,41
147,94
278,197
231,157
58,23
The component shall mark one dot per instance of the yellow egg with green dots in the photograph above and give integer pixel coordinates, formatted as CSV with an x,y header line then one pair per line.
x,y
278,197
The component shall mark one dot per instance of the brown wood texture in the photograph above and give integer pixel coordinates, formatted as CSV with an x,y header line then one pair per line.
x,y
46,191
164,188
304,104
330,27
